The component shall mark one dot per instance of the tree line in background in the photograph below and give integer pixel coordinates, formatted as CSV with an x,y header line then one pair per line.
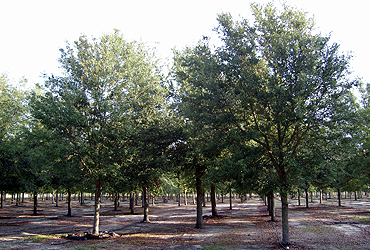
x,y
269,110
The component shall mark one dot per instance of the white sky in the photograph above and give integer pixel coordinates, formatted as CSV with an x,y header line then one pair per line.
x,y
33,31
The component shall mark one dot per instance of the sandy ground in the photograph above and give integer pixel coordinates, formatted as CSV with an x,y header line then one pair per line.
x,y
246,226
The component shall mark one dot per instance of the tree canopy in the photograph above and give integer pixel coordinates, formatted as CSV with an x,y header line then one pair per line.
x,y
269,108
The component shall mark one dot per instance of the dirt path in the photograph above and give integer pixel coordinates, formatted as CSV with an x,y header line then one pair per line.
x,y
246,226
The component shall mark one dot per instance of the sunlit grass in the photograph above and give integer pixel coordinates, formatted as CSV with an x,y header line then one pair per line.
x,y
98,246
43,237
363,219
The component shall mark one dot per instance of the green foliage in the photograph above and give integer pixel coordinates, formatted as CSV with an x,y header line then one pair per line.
x,y
108,84
12,107
12,117
109,108
272,82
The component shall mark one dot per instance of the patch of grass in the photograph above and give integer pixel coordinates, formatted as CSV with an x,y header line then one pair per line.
x,y
363,219
98,246
214,248
314,229
41,237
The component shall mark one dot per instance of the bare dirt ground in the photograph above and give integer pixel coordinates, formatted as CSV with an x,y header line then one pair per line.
x,y
246,226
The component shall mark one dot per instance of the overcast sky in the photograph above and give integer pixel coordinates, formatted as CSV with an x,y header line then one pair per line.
x,y
33,31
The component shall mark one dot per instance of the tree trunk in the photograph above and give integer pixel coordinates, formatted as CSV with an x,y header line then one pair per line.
x,y
306,191
285,216
82,201
179,201
34,203
355,196
56,199
136,199
1,198
339,198
98,189
145,204
213,200
116,197
132,203
271,205
320,196
231,201
198,186
17,200
69,201
299,197
311,196
204,197
185,197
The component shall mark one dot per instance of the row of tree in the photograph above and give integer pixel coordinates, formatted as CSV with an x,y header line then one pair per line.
x,y
271,109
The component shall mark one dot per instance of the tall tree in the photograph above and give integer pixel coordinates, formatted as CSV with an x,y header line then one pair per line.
x,y
94,103
275,81
12,114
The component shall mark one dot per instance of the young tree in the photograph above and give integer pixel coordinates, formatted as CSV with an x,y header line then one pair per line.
x,y
94,103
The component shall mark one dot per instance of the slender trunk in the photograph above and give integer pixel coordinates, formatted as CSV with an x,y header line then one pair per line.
x,y
1,198
339,198
222,197
271,205
145,204
204,197
198,186
306,191
132,203
213,200
285,216
56,199
17,200
142,199
311,196
185,197
193,197
179,201
82,201
69,198
355,196
320,196
98,189
116,201
34,203
231,201
299,197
